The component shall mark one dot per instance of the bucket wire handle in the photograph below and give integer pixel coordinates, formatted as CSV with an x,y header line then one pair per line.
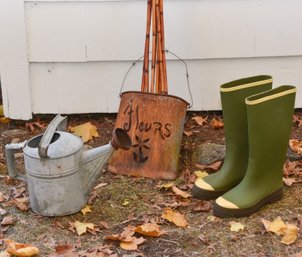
x,y
178,58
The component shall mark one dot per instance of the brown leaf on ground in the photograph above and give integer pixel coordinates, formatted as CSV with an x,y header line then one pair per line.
x,y
211,168
179,192
3,197
99,251
18,192
215,166
292,168
133,245
188,133
175,217
20,250
288,231
8,220
22,203
125,235
216,123
200,120
81,228
5,254
289,181
35,125
290,234
149,229
236,226
86,131
100,185
296,145
105,224
126,239
86,210
297,120
202,206
64,251
3,212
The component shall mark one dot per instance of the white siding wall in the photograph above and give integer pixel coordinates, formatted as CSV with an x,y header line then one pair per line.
x,y
73,55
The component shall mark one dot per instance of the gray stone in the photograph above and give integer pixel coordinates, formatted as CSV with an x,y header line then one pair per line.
x,y
208,153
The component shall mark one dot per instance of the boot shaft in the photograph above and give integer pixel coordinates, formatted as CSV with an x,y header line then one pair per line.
x,y
233,96
269,124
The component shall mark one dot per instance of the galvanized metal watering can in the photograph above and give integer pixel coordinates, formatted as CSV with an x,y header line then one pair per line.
x,y
59,173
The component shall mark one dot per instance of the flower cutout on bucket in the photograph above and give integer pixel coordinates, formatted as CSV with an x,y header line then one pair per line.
x,y
139,156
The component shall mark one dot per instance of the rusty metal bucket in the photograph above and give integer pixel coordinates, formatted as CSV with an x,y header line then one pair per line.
x,y
155,123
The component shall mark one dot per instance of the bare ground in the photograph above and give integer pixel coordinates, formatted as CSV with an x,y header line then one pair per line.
x,y
145,201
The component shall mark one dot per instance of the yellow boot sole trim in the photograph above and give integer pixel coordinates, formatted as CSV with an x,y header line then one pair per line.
x,y
203,185
252,84
226,204
270,97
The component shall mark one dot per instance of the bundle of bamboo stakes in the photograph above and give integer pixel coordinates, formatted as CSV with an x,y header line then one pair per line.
x,y
158,82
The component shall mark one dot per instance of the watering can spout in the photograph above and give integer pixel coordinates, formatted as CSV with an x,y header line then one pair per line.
x,y
94,160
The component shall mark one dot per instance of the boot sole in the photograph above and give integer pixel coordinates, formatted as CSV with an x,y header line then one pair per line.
x,y
225,212
205,194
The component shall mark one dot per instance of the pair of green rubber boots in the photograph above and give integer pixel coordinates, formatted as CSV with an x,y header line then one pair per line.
x,y
257,122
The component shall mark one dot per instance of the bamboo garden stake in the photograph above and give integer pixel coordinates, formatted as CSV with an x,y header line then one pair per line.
x,y
158,82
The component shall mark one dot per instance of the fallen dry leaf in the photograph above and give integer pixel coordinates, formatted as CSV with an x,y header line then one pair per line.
x,y
22,203
5,254
296,145
64,251
3,197
86,131
215,166
202,206
3,212
201,174
149,229
100,185
81,228
277,226
99,251
105,224
165,186
297,120
236,226
179,192
35,124
290,234
291,168
200,120
133,245
8,220
20,250
188,133
86,210
288,231
175,217
216,123
289,181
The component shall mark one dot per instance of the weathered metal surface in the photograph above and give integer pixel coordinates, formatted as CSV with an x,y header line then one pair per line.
x,y
155,124
59,184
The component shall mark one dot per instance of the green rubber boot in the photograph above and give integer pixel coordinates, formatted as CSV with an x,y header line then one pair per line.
x,y
269,116
232,96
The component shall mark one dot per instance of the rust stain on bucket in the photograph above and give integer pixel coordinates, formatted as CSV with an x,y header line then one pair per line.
x,y
155,123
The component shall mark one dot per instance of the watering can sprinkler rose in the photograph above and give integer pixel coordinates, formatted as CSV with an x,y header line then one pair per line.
x,y
59,173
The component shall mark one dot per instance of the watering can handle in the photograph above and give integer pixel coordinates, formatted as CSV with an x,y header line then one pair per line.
x,y
58,123
10,150
179,59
